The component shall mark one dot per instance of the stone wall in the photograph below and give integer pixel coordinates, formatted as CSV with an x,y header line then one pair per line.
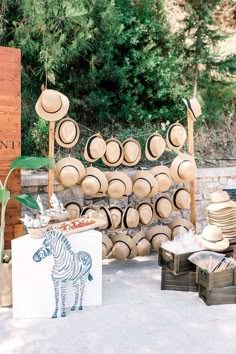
x,y
208,180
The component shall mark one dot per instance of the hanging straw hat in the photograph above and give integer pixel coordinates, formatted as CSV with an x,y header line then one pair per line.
x,y
114,153
90,211
183,168
193,107
74,210
144,184
157,235
212,238
116,216
67,132
69,171
155,146
104,214
132,152
119,185
130,218
95,148
176,136
163,177
95,182
106,245
220,200
123,247
163,206
146,213
52,105
143,245
181,199
178,223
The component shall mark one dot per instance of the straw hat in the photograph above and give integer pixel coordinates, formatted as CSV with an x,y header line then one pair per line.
x,y
130,218
176,136
74,210
155,146
193,107
104,214
95,148
95,182
176,225
143,245
119,184
116,216
144,184
163,177
67,132
106,245
132,152
157,235
163,206
123,247
183,168
181,199
52,105
114,154
220,200
212,238
146,213
90,211
69,171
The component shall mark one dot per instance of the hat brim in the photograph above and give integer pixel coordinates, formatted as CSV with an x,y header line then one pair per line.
x,y
121,157
215,246
128,241
220,206
148,152
52,117
136,161
58,137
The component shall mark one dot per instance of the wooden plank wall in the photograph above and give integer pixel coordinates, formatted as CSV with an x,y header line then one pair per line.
x,y
10,134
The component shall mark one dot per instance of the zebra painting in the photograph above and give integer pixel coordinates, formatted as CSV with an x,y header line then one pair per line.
x,y
68,266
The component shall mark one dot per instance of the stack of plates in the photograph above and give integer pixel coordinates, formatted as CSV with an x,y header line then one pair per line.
x,y
225,219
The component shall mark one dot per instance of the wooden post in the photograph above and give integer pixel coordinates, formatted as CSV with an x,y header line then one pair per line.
x,y
192,183
51,155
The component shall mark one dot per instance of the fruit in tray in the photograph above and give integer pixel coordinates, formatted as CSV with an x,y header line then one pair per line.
x,y
73,224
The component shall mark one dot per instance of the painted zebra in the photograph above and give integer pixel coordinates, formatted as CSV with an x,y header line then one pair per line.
x,y
68,266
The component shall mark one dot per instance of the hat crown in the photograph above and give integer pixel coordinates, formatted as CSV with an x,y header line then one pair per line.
x,y
219,197
116,189
157,145
141,187
186,170
68,132
51,101
145,213
97,148
131,151
113,151
182,199
212,233
163,207
178,135
90,185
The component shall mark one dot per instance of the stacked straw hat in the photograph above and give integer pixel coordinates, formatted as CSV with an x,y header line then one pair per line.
x,y
106,245
123,247
132,152
119,184
95,182
143,245
67,133
69,171
177,224
144,184
212,238
157,235
155,146
163,177
222,213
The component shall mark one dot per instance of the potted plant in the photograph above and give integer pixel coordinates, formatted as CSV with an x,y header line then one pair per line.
x,y
25,162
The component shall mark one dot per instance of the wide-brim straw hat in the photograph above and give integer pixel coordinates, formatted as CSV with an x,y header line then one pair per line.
x,y
119,185
95,148
67,133
181,199
146,213
144,184
74,209
106,245
176,224
132,152
193,107
114,153
94,182
89,211
155,146
52,105
176,136
212,238
69,171
163,206
104,214
143,245
130,218
183,168
220,200
157,235
123,247
116,216
163,177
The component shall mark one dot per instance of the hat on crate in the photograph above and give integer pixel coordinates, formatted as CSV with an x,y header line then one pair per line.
x,y
212,238
163,177
119,184
114,153
106,245
132,152
67,132
123,247
74,209
163,206
193,107
104,214
89,211
143,245
179,223
157,235
52,105
95,182
220,200
144,184
95,148
183,168
155,146
181,199
69,171
176,136
116,216
146,213
130,218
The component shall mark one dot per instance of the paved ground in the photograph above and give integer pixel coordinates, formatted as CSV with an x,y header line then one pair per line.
x,y
136,318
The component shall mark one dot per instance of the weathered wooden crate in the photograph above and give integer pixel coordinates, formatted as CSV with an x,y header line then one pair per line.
x,y
216,279
176,263
218,296
181,282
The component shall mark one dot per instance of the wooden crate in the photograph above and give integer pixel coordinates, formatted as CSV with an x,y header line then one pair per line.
x,y
218,296
176,263
216,279
181,282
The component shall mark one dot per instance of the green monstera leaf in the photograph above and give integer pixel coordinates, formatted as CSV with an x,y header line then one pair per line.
x,y
31,162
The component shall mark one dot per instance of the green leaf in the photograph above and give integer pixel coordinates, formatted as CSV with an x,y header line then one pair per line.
x,y
4,195
31,162
27,200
